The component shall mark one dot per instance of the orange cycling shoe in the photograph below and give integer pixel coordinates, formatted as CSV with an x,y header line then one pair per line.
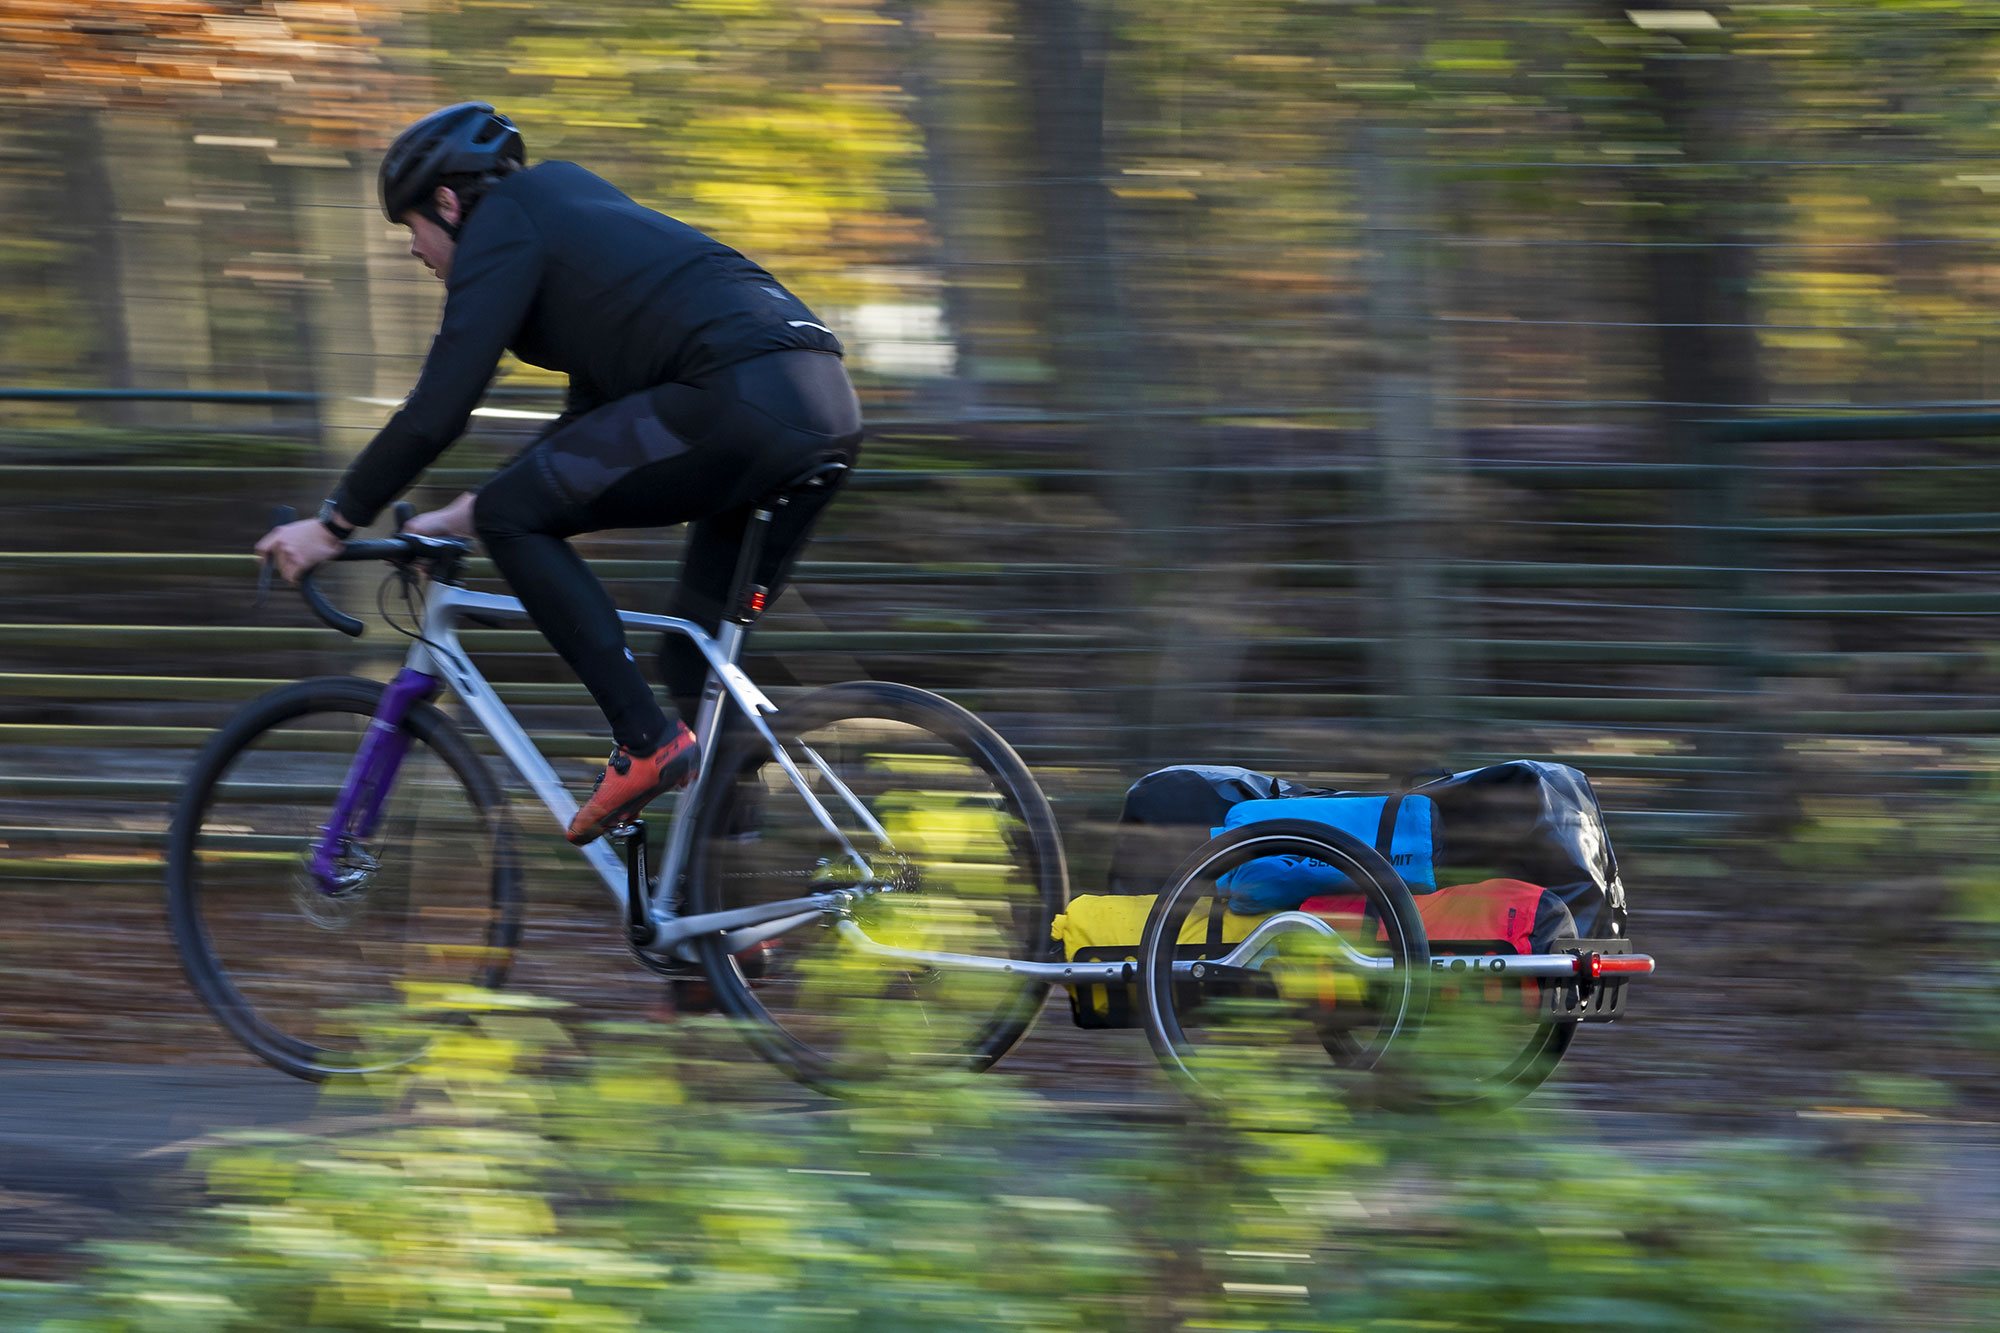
x,y
629,781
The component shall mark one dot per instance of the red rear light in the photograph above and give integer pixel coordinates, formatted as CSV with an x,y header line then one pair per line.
x,y
757,600
1596,965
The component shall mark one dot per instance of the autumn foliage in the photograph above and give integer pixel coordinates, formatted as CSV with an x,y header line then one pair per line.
x,y
314,66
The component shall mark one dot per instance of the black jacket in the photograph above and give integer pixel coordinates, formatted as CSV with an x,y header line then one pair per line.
x,y
559,267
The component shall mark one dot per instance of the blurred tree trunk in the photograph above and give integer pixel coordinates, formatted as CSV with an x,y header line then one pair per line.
x,y
1065,47
1413,532
333,210
1206,589
1700,274
159,262
1066,44
333,206
93,218
936,73
1701,282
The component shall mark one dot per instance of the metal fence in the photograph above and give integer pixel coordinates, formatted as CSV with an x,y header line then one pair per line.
x,y
1684,631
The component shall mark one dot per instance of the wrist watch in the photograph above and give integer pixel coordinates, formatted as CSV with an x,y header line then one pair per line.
x,y
329,518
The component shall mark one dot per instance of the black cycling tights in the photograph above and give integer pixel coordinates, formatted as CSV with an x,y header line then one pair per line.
x,y
702,453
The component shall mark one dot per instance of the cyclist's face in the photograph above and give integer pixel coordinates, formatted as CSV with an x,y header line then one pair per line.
x,y
430,242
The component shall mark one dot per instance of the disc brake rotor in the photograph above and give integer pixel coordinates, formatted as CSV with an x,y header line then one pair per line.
x,y
354,869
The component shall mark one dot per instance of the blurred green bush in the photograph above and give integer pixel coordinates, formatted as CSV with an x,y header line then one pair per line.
x,y
660,1183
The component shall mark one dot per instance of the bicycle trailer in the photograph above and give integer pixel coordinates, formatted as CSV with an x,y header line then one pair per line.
x,y
1508,868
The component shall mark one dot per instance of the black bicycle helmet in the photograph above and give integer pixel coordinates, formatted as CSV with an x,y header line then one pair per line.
x,y
469,139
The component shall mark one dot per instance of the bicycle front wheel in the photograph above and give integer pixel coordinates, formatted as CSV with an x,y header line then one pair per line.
x,y
952,817
349,973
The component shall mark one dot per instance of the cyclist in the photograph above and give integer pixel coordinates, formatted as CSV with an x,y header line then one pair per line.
x,y
697,384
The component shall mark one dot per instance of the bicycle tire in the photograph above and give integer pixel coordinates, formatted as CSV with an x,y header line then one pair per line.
x,y
1390,1011
213,855
947,785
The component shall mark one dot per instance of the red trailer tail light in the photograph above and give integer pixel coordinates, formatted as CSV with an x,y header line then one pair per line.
x,y
1594,966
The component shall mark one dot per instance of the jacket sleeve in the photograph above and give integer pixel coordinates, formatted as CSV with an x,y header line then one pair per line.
x,y
494,277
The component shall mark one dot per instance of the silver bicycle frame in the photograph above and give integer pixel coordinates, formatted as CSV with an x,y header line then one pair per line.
x,y
439,653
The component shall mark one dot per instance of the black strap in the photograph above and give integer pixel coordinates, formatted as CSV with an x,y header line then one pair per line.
x,y
1217,905
1385,832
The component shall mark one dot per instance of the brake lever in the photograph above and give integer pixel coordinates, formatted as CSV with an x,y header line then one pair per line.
x,y
280,515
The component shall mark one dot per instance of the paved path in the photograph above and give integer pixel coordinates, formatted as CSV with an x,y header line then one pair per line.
x,y
88,1148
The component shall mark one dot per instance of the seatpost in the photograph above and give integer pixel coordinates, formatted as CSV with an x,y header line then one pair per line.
x,y
746,599
749,597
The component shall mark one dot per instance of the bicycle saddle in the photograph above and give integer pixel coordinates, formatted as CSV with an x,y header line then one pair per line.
x,y
819,476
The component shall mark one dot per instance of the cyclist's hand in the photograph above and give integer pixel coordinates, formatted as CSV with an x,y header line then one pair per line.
x,y
454,520
295,548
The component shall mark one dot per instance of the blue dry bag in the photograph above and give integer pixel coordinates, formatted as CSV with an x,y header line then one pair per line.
x,y
1280,883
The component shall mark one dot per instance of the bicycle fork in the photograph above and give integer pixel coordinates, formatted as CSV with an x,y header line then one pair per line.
x,y
369,777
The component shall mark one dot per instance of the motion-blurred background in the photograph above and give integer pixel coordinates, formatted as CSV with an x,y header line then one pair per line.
x,y
1338,389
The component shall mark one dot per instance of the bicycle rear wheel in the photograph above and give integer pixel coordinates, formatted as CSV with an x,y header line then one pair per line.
x,y
323,980
971,843
1347,989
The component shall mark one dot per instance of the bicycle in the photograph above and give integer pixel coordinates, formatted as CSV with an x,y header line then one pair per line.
x,y
341,841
